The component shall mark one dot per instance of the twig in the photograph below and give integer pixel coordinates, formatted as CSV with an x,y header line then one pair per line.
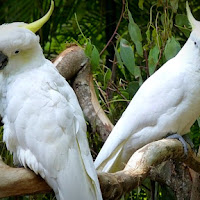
x,y
146,63
115,32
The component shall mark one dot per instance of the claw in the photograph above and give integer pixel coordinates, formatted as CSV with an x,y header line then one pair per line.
x,y
180,138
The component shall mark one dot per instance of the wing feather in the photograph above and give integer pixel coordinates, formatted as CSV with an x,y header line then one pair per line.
x,y
50,133
153,100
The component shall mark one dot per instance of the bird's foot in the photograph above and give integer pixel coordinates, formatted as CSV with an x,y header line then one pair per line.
x,y
181,139
19,166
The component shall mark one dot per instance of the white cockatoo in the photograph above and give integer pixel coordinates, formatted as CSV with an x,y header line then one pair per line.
x,y
44,126
167,102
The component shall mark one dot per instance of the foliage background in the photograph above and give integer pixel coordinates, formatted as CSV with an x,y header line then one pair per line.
x,y
149,33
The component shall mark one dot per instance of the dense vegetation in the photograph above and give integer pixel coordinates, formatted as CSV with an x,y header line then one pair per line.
x,y
148,34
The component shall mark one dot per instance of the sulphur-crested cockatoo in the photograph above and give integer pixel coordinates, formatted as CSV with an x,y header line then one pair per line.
x,y
44,126
167,102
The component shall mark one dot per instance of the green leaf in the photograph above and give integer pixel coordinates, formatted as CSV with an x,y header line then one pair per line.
x,y
181,20
118,57
140,4
148,34
135,34
127,55
185,31
126,95
119,60
134,29
139,48
132,88
155,35
137,74
88,49
153,59
95,58
107,77
172,48
174,5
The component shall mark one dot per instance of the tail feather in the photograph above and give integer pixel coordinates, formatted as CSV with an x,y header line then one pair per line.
x,y
110,162
73,182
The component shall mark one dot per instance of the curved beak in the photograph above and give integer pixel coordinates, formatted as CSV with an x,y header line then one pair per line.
x,y
3,60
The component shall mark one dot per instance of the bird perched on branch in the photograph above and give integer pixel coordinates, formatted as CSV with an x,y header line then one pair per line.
x,y
44,126
167,102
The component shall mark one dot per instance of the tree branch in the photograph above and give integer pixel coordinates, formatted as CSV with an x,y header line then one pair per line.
x,y
141,163
70,61
19,181
84,89
73,62
115,32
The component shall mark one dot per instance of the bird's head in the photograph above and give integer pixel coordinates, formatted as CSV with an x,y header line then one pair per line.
x,y
19,45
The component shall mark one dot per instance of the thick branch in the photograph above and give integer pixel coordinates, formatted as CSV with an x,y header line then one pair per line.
x,y
113,185
175,175
69,63
140,164
20,181
195,193
84,89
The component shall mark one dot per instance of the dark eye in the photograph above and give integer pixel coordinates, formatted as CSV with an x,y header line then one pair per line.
x,y
17,51
195,43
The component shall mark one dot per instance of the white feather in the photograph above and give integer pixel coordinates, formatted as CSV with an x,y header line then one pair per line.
x,y
167,102
44,126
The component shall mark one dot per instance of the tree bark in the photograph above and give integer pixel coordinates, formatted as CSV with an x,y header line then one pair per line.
x,y
20,181
176,176
73,62
84,89
70,61
195,193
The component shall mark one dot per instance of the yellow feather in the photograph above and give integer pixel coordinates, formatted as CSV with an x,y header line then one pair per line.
x,y
194,23
35,26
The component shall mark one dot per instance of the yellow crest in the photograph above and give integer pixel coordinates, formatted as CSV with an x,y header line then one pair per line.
x,y
35,26
194,23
